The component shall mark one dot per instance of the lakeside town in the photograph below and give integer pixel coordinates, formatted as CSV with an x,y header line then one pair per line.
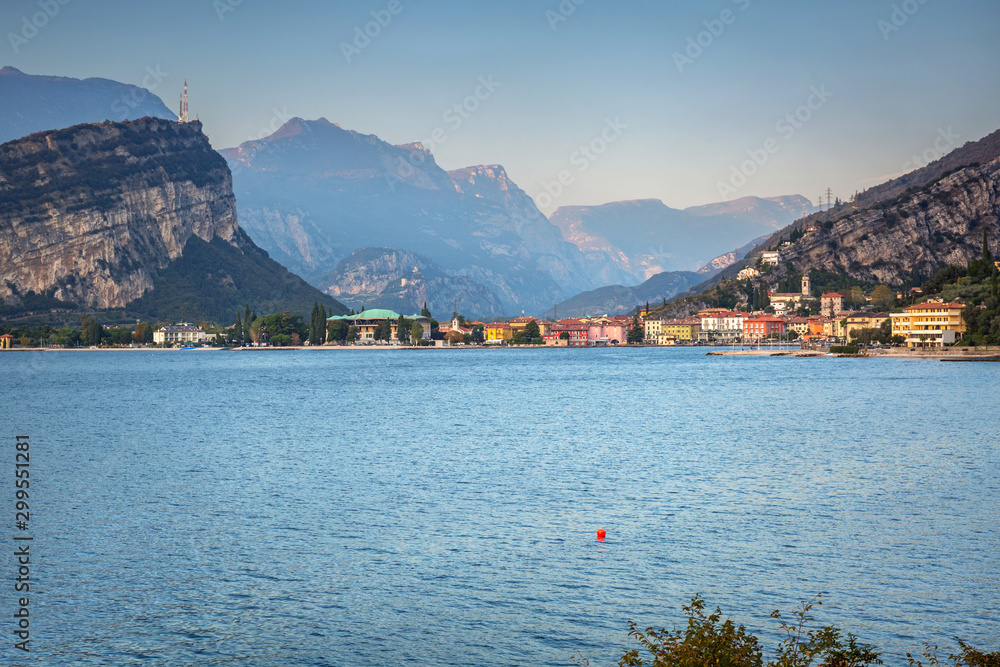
x,y
786,319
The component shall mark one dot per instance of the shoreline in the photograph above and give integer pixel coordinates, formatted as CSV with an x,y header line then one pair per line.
x,y
961,354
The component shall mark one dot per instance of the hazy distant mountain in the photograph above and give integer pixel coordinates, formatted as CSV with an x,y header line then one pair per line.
x,y
403,281
312,193
620,299
728,259
646,237
31,103
767,211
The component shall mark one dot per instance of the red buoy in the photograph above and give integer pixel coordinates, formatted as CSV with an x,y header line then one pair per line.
x,y
600,534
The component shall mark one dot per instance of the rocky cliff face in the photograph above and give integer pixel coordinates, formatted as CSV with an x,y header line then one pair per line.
x,y
915,235
93,213
403,281
313,193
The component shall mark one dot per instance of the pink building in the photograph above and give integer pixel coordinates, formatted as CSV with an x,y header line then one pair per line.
x,y
606,332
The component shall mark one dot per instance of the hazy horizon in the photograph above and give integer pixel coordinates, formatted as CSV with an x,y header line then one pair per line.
x,y
670,99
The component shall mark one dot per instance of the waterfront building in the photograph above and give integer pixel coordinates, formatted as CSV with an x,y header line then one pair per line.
x,y
652,329
606,331
578,332
369,320
799,325
719,324
862,320
762,327
498,333
6,342
931,324
179,334
684,331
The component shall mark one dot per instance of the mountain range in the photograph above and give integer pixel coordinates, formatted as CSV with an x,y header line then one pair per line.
x,y
374,223
312,193
646,237
31,103
136,217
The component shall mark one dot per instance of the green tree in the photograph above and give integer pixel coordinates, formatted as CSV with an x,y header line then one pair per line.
x,y
322,324
383,331
353,333
527,334
92,331
708,640
67,337
564,335
883,297
424,312
238,333
248,318
636,333
336,331
315,325
416,332
143,333
402,329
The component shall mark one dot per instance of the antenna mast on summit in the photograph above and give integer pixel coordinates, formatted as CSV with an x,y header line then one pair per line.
x,y
182,116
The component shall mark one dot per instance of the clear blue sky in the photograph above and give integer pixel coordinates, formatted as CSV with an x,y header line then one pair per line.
x,y
892,89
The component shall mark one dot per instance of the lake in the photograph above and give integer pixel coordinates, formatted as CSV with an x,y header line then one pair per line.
x,y
440,507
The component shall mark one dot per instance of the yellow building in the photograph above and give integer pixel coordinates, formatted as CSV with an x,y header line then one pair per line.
x,y
931,324
683,330
860,320
497,333
518,323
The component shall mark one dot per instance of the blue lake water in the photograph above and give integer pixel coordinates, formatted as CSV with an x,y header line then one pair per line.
x,y
439,507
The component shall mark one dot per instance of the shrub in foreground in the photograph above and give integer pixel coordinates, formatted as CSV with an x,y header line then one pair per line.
x,y
708,640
